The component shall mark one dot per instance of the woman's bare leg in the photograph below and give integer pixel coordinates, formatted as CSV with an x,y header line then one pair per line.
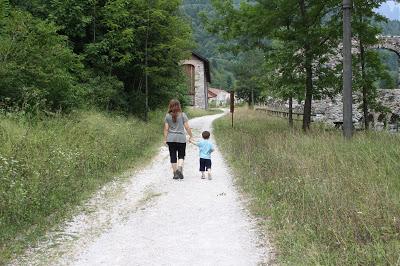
x,y
180,164
174,167
175,170
180,168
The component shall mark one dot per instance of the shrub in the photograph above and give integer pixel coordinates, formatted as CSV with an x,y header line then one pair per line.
x,y
35,60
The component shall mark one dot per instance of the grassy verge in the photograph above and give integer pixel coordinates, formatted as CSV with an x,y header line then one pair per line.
x,y
194,112
327,201
50,166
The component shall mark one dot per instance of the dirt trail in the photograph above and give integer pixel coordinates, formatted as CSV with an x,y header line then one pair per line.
x,y
154,220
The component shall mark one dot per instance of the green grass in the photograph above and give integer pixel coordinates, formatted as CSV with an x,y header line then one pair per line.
x,y
50,166
325,201
194,112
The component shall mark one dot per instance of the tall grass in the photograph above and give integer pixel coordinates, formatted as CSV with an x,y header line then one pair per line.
x,y
50,165
327,201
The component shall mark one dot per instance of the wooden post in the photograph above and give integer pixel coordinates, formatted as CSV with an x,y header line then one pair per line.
x,y
232,104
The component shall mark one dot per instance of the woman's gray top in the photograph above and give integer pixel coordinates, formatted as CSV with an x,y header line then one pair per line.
x,y
176,131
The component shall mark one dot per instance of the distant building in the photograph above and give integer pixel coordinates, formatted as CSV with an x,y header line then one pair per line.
x,y
218,97
197,70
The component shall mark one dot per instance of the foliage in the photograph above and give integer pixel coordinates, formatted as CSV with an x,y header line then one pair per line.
x,y
121,51
37,68
283,77
324,200
299,39
248,74
108,40
309,29
368,68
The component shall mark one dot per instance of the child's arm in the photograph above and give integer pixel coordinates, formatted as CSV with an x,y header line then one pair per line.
x,y
193,142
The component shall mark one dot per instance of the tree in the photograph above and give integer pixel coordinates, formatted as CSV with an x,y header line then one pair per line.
x,y
248,73
37,68
368,68
122,49
110,38
310,27
283,78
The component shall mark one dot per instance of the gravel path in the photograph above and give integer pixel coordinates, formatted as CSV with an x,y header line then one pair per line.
x,y
154,220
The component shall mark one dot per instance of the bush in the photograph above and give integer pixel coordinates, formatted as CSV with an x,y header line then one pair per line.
x,y
35,60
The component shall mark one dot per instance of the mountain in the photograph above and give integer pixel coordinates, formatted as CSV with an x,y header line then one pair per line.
x,y
390,9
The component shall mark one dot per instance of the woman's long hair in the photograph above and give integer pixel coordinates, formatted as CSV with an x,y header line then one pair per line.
x,y
174,109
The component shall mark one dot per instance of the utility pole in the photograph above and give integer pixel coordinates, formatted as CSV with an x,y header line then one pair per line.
x,y
347,72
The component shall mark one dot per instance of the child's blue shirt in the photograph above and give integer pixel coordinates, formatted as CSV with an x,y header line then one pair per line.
x,y
205,148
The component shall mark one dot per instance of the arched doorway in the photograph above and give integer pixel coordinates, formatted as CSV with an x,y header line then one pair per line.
x,y
392,45
392,59
191,78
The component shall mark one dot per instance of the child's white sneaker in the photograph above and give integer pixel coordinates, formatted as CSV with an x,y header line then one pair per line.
x,y
209,176
203,176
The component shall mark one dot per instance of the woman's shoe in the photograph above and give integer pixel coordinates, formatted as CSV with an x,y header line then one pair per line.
x,y
176,176
179,172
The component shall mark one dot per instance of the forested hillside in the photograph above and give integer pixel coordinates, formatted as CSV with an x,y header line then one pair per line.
x,y
392,27
208,44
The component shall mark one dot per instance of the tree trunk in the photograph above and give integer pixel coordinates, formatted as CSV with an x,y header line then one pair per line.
x,y
309,90
94,22
309,71
291,111
364,87
252,99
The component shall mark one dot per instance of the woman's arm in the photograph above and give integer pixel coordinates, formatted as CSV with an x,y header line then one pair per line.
x,y
166,128
188,130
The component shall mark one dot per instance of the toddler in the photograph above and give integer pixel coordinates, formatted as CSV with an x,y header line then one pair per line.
x,y
205,149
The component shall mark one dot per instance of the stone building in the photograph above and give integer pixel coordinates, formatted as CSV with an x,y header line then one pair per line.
x,y
197,70
218,97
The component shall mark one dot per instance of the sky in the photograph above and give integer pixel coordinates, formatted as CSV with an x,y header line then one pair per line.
x,y
391,10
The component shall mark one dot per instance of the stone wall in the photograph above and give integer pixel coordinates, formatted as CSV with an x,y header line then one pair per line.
x,y
329,110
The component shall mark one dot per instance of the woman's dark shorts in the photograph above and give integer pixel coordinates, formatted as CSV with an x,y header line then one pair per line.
x,y
205,164
176,148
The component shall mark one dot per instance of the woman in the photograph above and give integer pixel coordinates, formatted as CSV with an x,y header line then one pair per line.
x,y
174,136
